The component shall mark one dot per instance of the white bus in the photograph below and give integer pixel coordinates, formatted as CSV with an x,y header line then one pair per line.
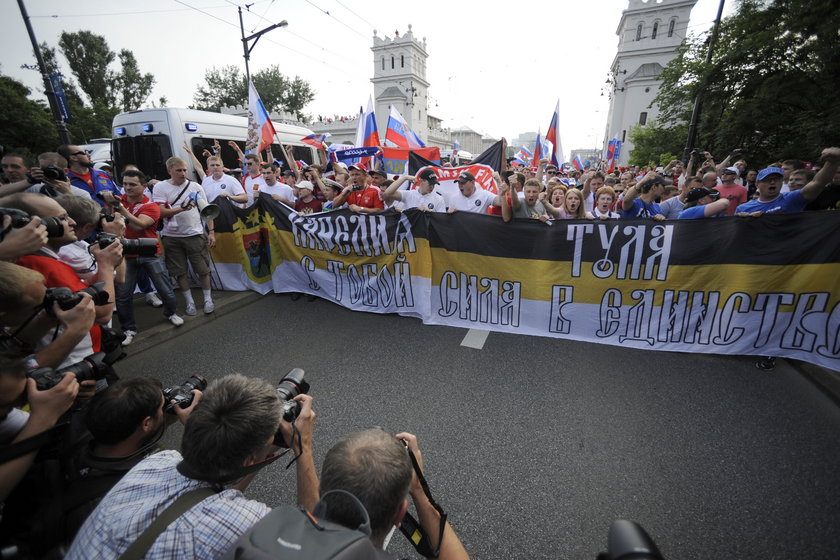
x,y
148,137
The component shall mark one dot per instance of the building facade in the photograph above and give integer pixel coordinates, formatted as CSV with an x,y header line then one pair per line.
x,y
649,33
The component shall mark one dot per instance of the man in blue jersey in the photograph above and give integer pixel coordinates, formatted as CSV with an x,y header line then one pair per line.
x,y
640,199
701,202
769,184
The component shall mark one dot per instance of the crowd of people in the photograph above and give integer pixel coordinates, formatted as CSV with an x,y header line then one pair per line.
x,y
82,470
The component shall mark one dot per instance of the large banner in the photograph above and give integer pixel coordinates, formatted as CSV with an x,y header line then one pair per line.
x,y
761,286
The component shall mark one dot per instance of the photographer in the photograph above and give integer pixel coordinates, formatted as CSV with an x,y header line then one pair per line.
x,y
46,407
58,274
18,241
141,216
51,178
228,437
374,466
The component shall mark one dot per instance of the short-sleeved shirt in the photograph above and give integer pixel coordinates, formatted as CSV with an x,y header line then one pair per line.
x,y
207,530
183,224
225,184
784,203
280,189
143,208
697,212
642,209
252,186
736,194
672,207
370,197
314,205
478,202
525,211
432,201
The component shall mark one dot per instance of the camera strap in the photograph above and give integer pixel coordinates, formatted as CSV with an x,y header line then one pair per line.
x,y
412,529
30,444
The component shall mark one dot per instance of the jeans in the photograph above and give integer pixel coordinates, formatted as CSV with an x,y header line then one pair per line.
x,y
155,269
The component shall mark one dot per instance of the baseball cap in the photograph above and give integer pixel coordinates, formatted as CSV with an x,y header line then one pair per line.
x,y
359,166
289,173
465,176
734,170
767,171
699,192
305,185
378,172
430,176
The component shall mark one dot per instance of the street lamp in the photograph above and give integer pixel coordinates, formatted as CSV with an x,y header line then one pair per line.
x,y
255,37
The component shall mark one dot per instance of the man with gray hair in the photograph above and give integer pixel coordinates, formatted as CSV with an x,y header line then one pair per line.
x,y
228,436
375,467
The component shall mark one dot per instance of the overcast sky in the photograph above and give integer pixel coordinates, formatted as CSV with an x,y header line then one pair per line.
x,y
496,67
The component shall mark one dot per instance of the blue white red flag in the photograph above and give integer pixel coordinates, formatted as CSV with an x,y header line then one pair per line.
x,y
577,163
553,135
399,133
316,140
260,129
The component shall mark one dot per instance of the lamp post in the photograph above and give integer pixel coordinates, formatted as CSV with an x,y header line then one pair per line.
x,y
247,47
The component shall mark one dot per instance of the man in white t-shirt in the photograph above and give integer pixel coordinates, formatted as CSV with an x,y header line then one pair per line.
x,y
219,185
254,180
183,234
278,191
471,198
424,197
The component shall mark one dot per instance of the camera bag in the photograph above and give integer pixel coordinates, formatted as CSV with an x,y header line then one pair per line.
x,y
292,532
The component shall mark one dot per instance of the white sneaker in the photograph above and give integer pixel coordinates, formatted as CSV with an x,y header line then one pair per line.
x,y
209,306
175,320
153,300
129,337
190,310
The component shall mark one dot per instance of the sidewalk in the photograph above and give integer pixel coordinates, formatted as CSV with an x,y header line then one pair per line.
x,y
152,326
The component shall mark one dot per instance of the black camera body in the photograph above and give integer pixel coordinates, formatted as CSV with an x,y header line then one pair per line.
x,y
68,299
93,367
183,394
54,173
288,388
55,227
357,187
143,247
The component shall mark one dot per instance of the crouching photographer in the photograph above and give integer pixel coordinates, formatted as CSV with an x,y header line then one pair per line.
x,y
142,252
118,428
229,436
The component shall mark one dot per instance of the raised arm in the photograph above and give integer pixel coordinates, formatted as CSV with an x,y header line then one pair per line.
x,y
831,157
392,192
199,169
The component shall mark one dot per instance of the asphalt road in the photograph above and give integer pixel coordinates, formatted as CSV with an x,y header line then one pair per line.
x,y
534,445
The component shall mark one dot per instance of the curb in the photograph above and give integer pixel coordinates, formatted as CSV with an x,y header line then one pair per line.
x,y
149,338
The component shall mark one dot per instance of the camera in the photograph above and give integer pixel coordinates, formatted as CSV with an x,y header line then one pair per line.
x,y
628,540
54,173
55,227
68,299
92,367
143,247
289,387
183,394
357,187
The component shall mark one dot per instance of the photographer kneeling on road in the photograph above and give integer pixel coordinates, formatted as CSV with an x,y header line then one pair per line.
x,y
228,437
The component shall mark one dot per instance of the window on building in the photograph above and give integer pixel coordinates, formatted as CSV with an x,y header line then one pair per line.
x,y
639,32
402,61
655,30
383,63
623,136
392,63
643,118
671,27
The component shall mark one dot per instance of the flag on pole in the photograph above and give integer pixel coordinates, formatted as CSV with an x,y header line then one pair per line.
x,y
316,140
523,156
553,135
367,135
399,133
260,130
611,153
578,163
537,156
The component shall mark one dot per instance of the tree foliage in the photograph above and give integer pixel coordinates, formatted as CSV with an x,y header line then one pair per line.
x,y
226,86
25,125
655,144
770,88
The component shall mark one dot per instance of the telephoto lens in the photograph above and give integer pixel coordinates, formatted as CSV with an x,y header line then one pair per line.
x,y
289,387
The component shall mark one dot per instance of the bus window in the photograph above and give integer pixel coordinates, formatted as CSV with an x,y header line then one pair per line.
x,y
149,153
230,158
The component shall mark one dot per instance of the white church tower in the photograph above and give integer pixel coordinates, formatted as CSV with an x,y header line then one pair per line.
x,y
649,33
399,79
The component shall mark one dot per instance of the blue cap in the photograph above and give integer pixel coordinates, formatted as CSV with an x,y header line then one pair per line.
x,y
769,171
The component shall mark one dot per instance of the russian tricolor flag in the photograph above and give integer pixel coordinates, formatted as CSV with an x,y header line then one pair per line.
x,y
535,159
260,129
367,135
577,163
612,148
398,132
553,136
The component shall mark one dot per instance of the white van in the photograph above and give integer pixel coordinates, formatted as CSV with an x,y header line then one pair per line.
x,y
148,137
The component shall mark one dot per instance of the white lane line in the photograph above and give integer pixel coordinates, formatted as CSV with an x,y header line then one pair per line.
x,y
475,338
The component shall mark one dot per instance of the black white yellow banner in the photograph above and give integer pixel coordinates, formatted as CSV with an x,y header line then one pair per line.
x,y
761,286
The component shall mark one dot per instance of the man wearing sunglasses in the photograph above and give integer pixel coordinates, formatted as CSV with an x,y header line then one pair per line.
x,y
81,173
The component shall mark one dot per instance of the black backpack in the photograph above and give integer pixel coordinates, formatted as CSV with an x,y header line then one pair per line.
x,y
292,532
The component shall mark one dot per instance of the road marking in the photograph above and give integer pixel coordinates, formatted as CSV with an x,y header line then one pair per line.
x,y
475,338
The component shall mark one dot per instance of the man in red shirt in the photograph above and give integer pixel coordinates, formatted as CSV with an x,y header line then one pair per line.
x,y
729,190
359,196
141,217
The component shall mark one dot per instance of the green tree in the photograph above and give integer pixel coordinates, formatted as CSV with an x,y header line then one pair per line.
x,y
771,87
24,123
656,144
226,86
